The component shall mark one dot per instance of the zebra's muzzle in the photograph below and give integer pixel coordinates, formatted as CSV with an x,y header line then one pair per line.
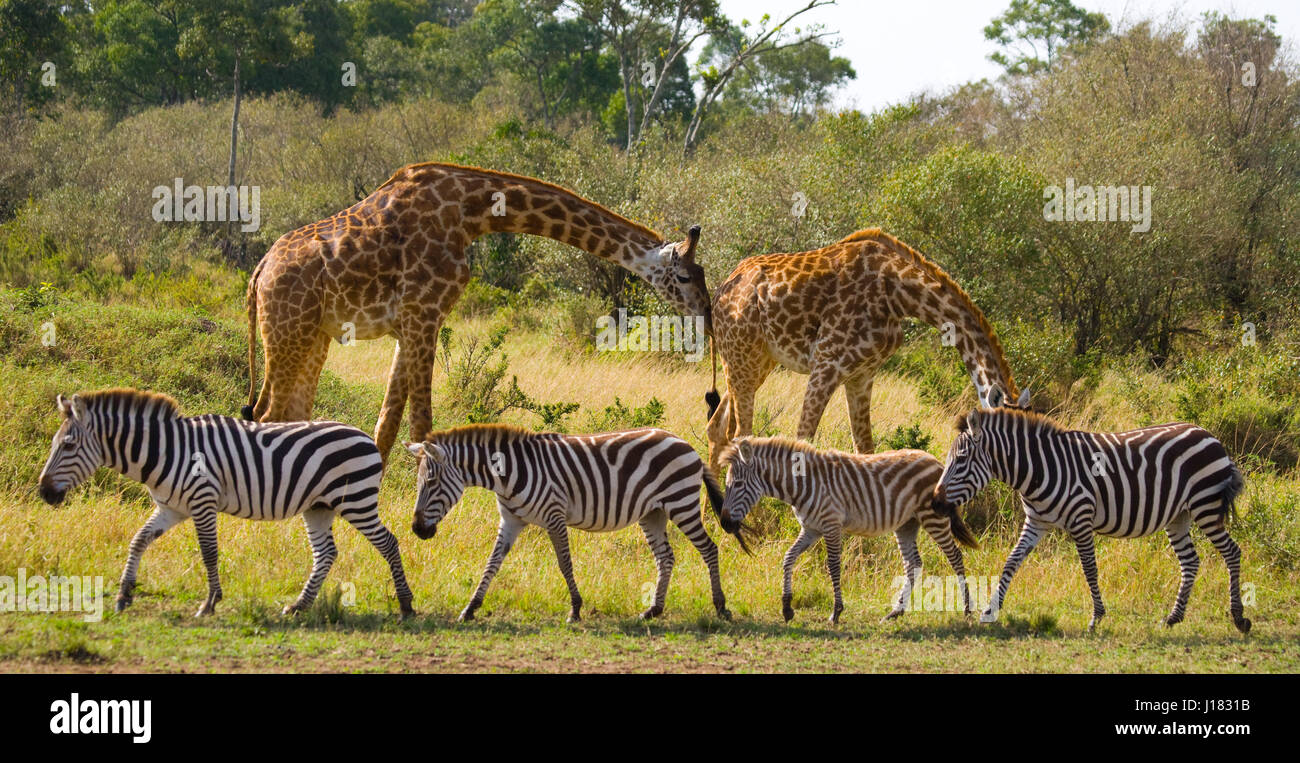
x,y
52,495
424,531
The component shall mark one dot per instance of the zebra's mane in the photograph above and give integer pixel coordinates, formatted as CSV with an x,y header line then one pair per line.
x,y
779,443
1033,418
160,405
482,432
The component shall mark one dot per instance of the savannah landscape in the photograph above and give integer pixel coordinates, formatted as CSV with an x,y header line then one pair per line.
x,y
1111,328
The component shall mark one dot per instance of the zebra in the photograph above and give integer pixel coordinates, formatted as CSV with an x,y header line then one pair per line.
x,y
595,482
1123,484
195,467
833,492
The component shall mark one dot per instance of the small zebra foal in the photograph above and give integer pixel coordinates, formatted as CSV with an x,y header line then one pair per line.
x,y
196,467
1123,484
599,483
833,492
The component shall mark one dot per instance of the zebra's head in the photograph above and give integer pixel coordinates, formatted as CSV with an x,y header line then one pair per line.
x,y
439,486
75,453
744,483
968,469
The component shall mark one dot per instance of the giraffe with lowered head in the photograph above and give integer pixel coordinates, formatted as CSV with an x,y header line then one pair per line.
x,y
395,263
836,314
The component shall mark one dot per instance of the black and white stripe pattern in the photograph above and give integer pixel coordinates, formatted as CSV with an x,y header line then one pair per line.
x,y
1125,485
834,493
599,483
197,467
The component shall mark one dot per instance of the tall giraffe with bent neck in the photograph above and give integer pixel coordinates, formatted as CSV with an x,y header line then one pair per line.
x,y
836,314
395,263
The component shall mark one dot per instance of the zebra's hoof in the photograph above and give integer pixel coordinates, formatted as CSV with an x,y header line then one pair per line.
x,y
892,615
289,609
788,613
574,617
1171,621
652,613
122,604
724,613
1243,624
406,614
465,616
988,617
206,610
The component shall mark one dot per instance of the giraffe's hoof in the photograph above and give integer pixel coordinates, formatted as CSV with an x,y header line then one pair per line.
x,y
652,613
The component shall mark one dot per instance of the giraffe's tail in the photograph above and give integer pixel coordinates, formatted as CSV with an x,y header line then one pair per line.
x,y
250,304
712,398
717,501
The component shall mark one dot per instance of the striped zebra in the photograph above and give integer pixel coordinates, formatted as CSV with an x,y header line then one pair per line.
x,y
197,467
598,482
1124,485
833,493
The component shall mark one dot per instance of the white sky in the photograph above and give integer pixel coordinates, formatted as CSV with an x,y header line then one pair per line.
x,y
902,47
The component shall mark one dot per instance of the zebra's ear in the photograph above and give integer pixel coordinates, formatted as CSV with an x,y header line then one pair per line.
x,y
63,405
744,451
414,448
78,408
436,453
973,421
1023,402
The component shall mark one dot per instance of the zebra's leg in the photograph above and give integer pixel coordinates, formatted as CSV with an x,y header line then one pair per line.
x,y
507,532
370,525
559,532
655,527
320,534
1189,563
906,536
806,538
1085,543
832,536
160,521
205,526
689,522
1030,534
940,529
1213,527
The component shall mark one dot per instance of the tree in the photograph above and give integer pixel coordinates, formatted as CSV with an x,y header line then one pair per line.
x,y
765,39
1033,32
796,80
32,32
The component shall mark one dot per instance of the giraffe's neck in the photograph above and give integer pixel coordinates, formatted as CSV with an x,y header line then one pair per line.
x,y
940,303
492,202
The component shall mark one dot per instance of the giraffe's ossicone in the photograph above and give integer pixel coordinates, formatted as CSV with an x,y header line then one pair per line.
x,y
395,262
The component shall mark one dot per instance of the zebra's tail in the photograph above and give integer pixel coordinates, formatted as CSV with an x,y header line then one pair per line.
x,y
717,500
1231,489
959,529
250,304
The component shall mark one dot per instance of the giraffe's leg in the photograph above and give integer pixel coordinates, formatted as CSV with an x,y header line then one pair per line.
x,y
1189,563
160,521
369,524
507,533
559,533
857,389
940,529
292,341
742,392
309,381
420,391
205,526
1211,523
390,415
1083,541
906,537
655,527
823,380
320,534
832,536
806,538
689,522
1030,534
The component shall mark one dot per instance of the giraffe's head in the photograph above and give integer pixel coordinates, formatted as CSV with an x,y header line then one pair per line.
x,y
968,468
439,486
680,280
75,453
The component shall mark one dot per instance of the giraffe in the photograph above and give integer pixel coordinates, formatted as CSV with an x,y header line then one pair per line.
x,y
836,314
395,263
